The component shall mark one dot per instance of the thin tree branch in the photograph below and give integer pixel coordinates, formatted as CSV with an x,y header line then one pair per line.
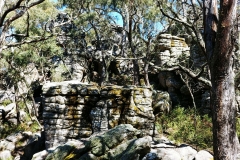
x,y
37,39
185,70
10,10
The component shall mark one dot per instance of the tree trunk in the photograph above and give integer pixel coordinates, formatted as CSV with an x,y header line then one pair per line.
x,y
210,19
136,73
225,142
146,65
146,79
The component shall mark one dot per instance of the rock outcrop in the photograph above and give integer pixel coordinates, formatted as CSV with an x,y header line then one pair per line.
x,y
171,50
122,142
74,110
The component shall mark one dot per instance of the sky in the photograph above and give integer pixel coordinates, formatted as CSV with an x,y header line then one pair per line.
x,y
117,17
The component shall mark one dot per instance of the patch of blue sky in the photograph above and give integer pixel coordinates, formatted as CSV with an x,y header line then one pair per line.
x,y
117,18
155,28
61,9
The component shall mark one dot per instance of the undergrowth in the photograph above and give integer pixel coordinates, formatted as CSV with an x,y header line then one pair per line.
x,y
6,129
187,126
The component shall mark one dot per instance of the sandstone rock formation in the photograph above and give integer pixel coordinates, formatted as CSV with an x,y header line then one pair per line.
x,y
75,110
122,142
171,50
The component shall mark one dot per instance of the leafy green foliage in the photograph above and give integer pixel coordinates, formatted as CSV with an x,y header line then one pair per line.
x,y
6,102
184,126
22,105
16,59
6,129
38,17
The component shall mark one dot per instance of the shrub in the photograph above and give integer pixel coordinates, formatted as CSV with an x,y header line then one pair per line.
x,y
6,129
187,126
6,102
22,105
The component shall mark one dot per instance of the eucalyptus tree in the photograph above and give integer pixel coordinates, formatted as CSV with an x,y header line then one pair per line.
x,y
10,12
25,38
217,44
141,23
136,25
25,27
93,30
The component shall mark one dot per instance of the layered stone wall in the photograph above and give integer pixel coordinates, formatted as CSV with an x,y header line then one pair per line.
x,y
171,50
74,110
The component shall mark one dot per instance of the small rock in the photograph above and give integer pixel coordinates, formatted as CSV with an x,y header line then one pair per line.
x,y
40,155
151,156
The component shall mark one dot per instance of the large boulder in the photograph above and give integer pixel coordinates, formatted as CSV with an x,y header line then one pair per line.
x,y
74,110
31,76
171,153
171,50
186,152
66,151
77,71
40,155
121,142
163,149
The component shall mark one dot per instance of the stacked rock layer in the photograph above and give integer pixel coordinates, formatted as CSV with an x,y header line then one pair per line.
x,y
74,110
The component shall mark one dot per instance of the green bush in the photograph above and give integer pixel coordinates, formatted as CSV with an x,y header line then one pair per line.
x,y
22,105
187,126
6,102
6,129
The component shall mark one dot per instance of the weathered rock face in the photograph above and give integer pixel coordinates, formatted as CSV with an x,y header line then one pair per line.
x,y
161,102
171,50
6,96
122,142
21,144
66,114
75,110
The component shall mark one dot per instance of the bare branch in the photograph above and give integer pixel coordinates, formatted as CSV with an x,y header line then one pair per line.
x,y
185,70
191,27
7,22
36,39
177,18
17,5
195,76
